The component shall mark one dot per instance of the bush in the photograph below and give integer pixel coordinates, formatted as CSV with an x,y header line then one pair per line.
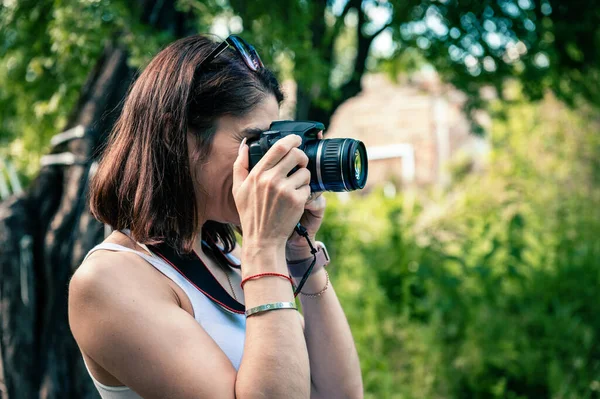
x,y
490,289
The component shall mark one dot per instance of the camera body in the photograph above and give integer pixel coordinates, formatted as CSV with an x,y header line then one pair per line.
x,y
335,164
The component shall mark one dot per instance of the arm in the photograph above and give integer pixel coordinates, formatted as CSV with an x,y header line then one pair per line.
x,y
334,364
270,199
335,369
274,347
129,322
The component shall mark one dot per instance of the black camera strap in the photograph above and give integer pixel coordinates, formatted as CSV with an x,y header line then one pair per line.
x,y
198,274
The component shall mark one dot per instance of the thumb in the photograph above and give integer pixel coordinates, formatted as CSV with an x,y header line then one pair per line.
x,y
240,166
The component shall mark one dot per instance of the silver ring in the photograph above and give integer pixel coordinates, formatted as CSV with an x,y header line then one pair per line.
x,y
310,197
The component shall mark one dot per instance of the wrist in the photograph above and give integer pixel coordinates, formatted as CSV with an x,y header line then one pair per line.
x,y
265,258
300,250
253,246
315,282
318,260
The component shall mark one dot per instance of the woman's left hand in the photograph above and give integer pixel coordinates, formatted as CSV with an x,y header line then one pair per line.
x,y
297,248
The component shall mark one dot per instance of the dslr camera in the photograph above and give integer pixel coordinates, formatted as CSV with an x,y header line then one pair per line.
x,y
334,164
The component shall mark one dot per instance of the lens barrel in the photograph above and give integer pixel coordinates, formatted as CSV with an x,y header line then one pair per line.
x,y
337,164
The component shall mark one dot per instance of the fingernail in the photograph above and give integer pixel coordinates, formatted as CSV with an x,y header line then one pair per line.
x,y
242,145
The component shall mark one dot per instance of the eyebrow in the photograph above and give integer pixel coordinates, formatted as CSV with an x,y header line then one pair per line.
x,y
252,131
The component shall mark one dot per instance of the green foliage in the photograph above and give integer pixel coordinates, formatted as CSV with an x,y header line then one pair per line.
x,y
545,44
490,289
45,55
47,50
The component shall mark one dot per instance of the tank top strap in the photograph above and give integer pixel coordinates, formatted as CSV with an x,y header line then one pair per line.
x,y
117,247
158,264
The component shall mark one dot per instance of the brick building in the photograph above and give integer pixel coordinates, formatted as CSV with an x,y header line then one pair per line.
x,y
411,130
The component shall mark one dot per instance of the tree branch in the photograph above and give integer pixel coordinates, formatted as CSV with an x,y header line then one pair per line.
x,y
318,24
353,85
334,32
379,31
339,22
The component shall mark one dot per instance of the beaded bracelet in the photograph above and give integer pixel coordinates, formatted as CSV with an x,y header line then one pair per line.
x,y
270,306
244,281
317,294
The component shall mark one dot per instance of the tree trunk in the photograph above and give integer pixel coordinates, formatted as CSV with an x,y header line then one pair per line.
x,y
306,107
46,232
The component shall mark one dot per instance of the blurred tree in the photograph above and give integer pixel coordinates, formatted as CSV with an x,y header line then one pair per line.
x,y
326,46
489,288
546,44
48,51
46,231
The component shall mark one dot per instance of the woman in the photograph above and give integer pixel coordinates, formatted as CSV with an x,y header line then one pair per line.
x,y
176,172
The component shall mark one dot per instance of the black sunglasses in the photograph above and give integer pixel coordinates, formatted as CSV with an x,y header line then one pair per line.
x,y
244,49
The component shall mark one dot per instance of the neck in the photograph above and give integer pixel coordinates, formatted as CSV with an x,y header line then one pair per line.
x,y
198,239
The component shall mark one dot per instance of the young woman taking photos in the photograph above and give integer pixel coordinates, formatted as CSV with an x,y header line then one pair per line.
x,y
175,174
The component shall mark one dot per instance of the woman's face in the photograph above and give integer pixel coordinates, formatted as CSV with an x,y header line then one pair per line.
x,y
215,174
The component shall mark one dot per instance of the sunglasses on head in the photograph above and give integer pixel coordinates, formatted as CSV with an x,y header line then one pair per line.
x,y
243,48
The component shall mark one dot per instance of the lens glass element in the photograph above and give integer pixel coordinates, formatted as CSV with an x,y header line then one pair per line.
x,y
357,165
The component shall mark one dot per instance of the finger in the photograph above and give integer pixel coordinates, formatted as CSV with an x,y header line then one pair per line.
x,y
240,166
320,135
314,197
309,199
299,178
295,157
303,191
277,152
317,204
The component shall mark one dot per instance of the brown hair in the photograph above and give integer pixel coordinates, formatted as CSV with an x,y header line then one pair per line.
x,y
144,180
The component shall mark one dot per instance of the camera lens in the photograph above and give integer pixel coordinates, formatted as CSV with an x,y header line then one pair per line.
x,y
337,164
357,165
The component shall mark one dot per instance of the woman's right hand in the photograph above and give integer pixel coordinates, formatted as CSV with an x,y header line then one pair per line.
x,y
269,202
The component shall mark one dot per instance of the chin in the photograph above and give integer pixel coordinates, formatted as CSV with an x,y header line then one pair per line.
x,y
233,219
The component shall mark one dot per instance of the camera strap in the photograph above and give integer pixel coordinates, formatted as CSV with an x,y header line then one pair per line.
x,y
197,273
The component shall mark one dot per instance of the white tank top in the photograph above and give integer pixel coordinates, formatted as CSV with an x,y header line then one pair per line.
x,y
227,329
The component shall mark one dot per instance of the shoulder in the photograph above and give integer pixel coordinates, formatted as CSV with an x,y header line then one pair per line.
x,y
113,282
107,284
122,315
105,272
107,269
109,292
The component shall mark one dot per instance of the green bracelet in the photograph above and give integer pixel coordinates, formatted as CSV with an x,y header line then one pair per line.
x,y
270,306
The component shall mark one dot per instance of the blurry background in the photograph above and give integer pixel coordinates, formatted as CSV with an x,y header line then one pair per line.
x,y
469,267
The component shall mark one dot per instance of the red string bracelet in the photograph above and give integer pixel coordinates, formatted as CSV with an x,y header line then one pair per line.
x,y
244,281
